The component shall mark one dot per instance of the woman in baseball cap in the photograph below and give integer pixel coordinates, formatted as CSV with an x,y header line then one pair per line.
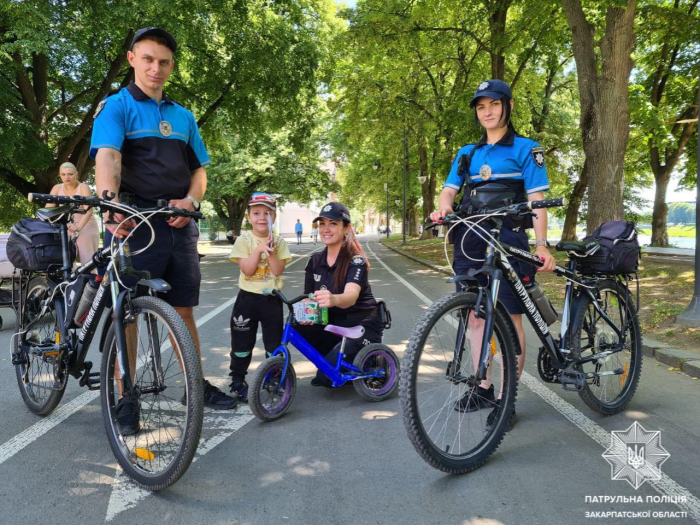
x,y
338,276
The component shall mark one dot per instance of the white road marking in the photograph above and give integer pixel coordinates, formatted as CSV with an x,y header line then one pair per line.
x,y
38,429
665,486
126,494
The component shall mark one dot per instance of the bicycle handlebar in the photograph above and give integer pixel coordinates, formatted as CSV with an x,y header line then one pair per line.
x,y
522,208
278,293
106,205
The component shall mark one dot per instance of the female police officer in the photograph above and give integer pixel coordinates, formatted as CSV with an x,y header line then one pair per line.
x,y
506,164
338,276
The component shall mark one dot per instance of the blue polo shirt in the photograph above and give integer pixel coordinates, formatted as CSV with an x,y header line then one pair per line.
x,y
154,166
511,158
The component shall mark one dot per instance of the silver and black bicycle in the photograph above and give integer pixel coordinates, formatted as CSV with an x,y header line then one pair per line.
x,y
466,342
148,355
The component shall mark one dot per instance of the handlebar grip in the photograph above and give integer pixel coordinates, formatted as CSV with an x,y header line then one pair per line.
x,y
43,198
548,203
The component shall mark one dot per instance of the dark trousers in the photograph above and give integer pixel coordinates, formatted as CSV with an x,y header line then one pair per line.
x,y
328,344
249,310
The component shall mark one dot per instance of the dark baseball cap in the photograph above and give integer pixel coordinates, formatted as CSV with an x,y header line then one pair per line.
x,y
334,211
492,89
154,31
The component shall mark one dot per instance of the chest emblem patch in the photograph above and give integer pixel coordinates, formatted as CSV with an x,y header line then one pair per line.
x,y
165,128
317,278
485,172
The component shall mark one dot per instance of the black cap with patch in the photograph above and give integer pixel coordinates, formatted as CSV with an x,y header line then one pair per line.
x,y
496,89
334,211
154,31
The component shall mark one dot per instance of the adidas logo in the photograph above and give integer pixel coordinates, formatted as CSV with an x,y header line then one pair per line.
x,y
240,322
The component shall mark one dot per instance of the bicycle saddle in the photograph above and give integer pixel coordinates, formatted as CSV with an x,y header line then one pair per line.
x,y
53,214
353,332
584,248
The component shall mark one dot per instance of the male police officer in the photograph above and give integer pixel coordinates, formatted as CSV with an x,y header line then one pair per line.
x,y
148,146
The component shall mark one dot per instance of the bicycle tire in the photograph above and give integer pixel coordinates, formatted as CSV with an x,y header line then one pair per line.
x,y
41,384
416,372
264,385
142,458
375,389
586,340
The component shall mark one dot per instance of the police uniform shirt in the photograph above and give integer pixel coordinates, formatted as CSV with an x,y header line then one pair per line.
x,y
160,143
320,276
510,159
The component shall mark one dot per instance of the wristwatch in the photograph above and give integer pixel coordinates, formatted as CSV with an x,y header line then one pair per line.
x,y
540,242
196,203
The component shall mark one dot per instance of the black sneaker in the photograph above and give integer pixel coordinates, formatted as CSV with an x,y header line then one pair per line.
x,y
128,416
475,399
321,380
240,388
216,399
493,417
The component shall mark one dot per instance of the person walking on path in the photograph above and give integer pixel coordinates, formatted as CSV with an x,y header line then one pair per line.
x,y
299,229
146,145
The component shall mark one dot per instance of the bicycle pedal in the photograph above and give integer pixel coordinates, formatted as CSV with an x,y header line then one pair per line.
x,y
572,381
19,359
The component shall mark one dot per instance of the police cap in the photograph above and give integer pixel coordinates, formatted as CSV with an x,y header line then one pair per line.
x,y
495,88
154,31
334,211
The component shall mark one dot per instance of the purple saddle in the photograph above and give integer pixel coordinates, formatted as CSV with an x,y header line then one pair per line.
x,y
352,332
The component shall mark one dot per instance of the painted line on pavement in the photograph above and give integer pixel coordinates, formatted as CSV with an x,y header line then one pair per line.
x,y
666,486
38,429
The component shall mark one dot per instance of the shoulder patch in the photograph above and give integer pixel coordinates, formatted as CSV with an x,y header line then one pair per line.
x,y
538,156
358,260
99,108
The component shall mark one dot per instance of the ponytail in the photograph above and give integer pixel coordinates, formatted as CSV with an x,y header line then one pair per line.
x,y
350,248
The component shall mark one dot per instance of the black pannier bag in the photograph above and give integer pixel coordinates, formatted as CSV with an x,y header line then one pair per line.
x,y
619,249
34,245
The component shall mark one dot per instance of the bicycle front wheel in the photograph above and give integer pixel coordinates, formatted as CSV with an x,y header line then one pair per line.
x,y
612,364
41,376
455,427
157,444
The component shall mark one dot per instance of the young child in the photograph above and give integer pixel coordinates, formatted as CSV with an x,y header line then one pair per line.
x,y
262,258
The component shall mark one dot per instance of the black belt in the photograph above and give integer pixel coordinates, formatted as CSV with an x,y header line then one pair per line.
x,y
356,316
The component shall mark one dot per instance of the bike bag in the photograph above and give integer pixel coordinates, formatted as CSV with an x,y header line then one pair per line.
x,y
35,245
619,250
384,314
491,195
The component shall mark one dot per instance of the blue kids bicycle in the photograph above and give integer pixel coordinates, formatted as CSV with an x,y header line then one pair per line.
x,y
374,372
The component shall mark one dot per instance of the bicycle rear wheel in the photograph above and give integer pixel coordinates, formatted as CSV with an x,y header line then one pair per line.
x,y
168,393
431,386
41,378
611,378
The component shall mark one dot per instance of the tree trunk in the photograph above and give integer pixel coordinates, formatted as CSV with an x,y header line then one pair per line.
x,y
571,220
604,104
659,230
498,13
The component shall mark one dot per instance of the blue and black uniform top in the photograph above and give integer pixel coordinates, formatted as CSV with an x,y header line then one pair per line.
x,y
513,158
160,143
320,276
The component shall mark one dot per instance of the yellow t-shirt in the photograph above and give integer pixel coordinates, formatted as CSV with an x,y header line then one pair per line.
x,y
263,276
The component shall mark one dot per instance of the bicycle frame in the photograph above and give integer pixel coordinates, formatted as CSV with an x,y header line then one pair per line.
x,y
334,373
499,269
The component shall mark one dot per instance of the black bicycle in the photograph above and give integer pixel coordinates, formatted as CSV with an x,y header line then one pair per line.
x,y
467,340
148,354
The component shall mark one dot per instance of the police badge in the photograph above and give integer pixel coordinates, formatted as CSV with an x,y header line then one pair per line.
x,y
99,108
165,128
538,156
485,172
358,259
